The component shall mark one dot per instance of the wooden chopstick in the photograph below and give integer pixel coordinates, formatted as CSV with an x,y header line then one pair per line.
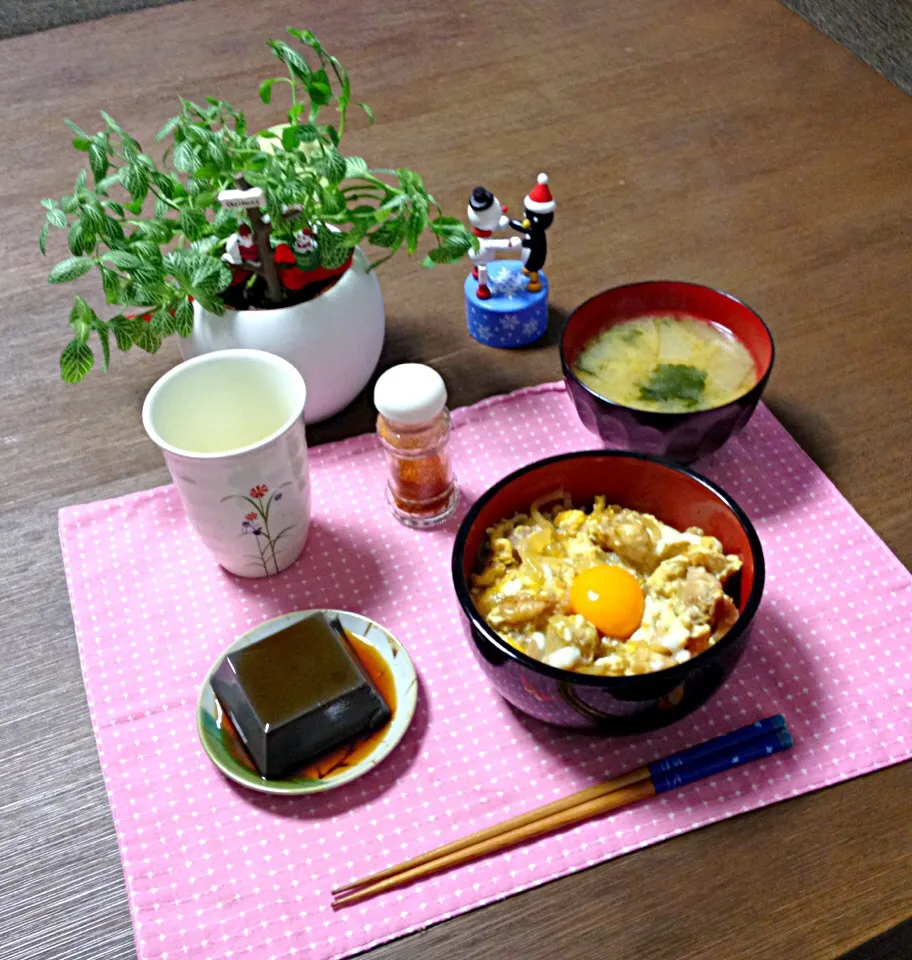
x,y
639,775
594,792
740,746
565,818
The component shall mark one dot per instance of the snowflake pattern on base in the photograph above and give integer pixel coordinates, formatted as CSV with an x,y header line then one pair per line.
x,y
507,330
506,283
512,316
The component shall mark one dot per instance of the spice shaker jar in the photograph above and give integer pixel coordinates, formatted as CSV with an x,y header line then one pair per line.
x,y
413,425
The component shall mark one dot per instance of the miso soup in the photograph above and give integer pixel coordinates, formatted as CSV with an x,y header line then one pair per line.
x,y
667,364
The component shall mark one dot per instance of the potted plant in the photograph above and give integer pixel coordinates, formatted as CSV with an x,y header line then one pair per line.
x,y
245,239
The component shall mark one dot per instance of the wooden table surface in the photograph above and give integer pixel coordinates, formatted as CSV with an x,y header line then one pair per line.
x,y
722,141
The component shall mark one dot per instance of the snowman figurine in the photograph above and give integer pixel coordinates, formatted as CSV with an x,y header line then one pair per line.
x,y
513,311
486,214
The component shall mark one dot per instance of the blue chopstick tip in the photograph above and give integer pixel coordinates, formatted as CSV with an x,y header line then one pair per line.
x,y
735,755
759,729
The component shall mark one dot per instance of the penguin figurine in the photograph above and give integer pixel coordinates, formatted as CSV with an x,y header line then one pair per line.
x,y
538,207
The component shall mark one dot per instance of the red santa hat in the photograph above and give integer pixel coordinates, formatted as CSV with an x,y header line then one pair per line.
x,y
539,199
244,231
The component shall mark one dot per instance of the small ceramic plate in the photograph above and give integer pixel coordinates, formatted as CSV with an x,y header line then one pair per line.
x,y
392,670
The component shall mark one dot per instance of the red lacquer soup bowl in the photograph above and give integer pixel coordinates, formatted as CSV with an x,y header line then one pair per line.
x,y
679,436
615,705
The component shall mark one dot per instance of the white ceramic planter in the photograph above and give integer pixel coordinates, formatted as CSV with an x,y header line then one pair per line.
x,y
334,340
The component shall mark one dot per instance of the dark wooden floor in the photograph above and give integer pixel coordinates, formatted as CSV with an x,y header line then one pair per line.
x,y
723,141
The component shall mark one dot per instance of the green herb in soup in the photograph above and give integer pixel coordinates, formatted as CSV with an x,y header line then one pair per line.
x,y
675,383
668,364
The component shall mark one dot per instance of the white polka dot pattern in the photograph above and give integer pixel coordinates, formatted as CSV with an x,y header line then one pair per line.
x,y
214,871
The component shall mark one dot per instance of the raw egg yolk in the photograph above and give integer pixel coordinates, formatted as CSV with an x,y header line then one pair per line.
x,y
609,598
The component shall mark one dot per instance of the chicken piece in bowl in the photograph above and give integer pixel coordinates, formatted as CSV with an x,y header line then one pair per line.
x,y
678,561
605,590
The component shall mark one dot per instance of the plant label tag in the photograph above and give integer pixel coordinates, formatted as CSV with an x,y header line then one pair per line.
x,y
254,197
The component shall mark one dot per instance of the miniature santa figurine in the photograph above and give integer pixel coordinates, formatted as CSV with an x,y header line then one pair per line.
x,y
486,215
247,245
304,247
241,248
298,263
291,276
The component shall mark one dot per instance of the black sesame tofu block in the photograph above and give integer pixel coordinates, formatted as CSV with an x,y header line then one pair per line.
x,y
297,693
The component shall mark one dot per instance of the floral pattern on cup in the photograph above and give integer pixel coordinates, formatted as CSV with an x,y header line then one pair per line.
x,y
255,523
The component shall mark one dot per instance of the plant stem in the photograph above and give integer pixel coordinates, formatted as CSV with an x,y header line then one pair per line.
x,y
376,263
370,176
158,196
264,513
357,190
293,83
262,557
261,233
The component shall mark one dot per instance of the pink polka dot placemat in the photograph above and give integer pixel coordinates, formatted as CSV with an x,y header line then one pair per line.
x,y
215,871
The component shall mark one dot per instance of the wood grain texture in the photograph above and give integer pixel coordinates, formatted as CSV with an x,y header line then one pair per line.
x,y
723,141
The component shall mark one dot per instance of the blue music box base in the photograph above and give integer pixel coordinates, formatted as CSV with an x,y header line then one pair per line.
x,y
512,317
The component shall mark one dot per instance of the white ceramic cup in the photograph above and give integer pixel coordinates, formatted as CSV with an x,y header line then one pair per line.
x,y
231,427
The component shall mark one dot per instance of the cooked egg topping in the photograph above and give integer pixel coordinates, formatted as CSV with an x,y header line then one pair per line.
x,y
607,591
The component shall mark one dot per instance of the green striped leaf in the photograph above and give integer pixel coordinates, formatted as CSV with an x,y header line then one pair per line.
x,y
76,361
70,269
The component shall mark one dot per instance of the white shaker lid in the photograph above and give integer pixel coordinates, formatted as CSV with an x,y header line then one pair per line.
x,y
410,393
